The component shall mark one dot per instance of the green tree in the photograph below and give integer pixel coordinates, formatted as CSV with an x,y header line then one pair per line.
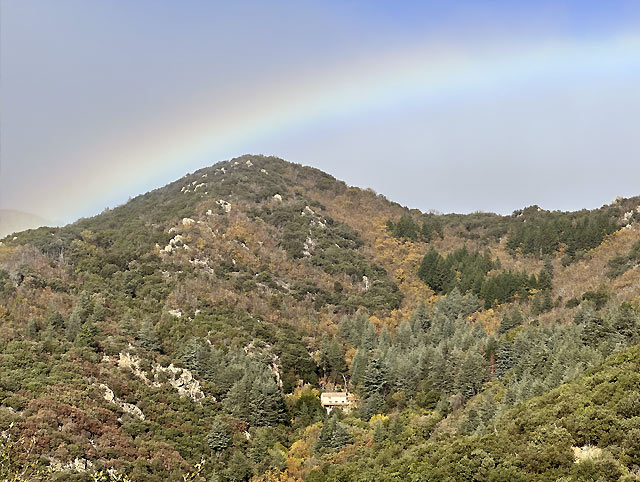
x,y
74,324
148,336
334,435
218,438
87,335
376,376
266,405
238,469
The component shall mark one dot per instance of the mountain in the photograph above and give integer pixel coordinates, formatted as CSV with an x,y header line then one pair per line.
x,y
187,335
12,221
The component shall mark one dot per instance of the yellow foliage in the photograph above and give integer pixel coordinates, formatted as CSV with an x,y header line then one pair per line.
x,y
378,417
299,450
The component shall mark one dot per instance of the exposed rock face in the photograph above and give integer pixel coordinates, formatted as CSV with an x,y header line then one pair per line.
x,y
586,452
75,465
179,378
365,282
130,408
187,221
182,380
225,205
174,242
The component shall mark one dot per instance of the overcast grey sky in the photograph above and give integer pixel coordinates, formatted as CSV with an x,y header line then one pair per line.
x,y
454,106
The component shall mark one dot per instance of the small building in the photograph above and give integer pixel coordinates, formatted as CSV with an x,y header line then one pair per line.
x,y
330,400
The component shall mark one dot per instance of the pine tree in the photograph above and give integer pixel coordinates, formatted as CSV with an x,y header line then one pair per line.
x,y
237,400
99,311
472,374
74,324
626,323
379,432
218,438
404,336
54,320
547,303
510,320
87,334
376,376
359,366
32,328
148,337
127,325
385,341
266,405
435,272
405,373
334,435
504,359
336,359
420,319
238,468
369,339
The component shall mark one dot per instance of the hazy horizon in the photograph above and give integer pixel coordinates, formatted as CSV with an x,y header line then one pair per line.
x,y
439,107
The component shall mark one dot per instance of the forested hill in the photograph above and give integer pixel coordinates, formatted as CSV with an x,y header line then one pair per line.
x,y
187,335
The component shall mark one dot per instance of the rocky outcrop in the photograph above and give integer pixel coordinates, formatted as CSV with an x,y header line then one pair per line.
x,y
129,408
179,378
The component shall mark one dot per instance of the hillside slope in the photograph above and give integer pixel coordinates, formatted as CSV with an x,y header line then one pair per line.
x,y
191,330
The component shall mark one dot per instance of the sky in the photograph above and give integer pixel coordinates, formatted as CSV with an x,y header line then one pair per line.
x,y
450,106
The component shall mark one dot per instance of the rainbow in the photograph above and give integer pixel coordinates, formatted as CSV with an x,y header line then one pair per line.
x,y
419,75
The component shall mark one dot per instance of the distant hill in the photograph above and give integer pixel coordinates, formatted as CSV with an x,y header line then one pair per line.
x,y
189,332
12,221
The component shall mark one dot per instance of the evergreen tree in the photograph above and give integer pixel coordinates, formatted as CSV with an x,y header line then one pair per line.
x,y
266,405
335,360
32,328
405,228
334,435
87,334
379,432
626,323
74,324
369,339
238,469
510,320
404,371
237,400
404,336
376,376
148,337
435,272
547,304
385,341
472,374
359,366
420,319
127,325
218,438
99,312
54,320
504,359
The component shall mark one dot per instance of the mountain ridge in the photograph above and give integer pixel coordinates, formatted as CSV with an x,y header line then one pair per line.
x,y
222,302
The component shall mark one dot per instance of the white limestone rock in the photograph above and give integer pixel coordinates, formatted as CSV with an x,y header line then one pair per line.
x,y
225,205
129,408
